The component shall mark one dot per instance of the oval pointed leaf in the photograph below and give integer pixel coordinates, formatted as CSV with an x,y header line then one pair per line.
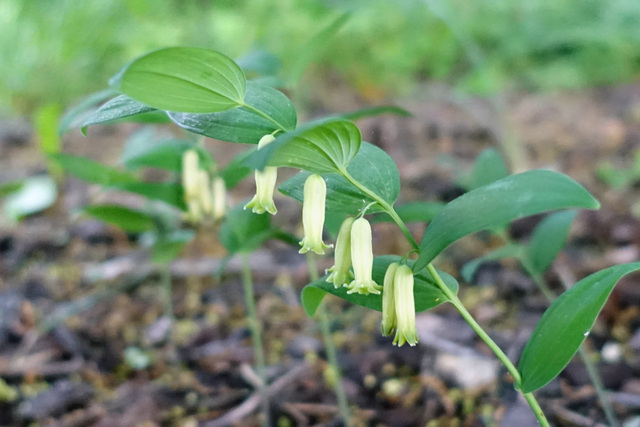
x,y
507,251
244,231
118,108
499,203
92,171
547,240
168,192
186,79
128,219
168,248
320,147
241,124
565,325
371,166
489,167
426,293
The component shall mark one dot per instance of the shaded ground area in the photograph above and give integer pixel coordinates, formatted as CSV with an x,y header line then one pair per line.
x,y
85,340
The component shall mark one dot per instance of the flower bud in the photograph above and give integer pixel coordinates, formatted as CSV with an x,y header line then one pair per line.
x,y
362,259
405,307
341,270
265,185
204,191
388,301
190,174
315,191
219,196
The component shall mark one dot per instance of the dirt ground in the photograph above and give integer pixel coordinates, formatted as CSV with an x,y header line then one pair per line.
x,y
81,304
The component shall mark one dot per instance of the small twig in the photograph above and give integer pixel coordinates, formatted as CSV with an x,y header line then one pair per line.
x,y
252,403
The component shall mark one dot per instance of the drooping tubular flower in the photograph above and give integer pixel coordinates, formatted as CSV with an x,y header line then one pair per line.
x,y
341,270
388,301
404,307
219,196
362,259
315,192
204,191
191,185
190,173
265,185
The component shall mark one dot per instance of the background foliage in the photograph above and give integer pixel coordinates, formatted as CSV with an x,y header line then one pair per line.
x,y
384,47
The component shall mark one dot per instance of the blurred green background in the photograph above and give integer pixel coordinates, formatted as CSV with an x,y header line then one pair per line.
x,y
55,51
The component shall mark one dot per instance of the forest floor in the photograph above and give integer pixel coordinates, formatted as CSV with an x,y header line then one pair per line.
x,y
85,340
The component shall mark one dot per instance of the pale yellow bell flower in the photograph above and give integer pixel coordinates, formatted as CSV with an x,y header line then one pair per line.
x,y
388,301
265,185
315,192
405,307
219,196
362,259
340,273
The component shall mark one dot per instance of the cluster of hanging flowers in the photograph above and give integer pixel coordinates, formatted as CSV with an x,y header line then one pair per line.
x,y
203,195
353,251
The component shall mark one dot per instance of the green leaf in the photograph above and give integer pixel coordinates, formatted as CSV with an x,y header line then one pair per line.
x,y
236,171
186,79
489,167
374,111
168,192
92,171
547,240
244,231
496,204
241,124
413,212
128,219
323,146
565,325
426,293
34,195
144,149
371,166
117,108
507,251
78,114
167,249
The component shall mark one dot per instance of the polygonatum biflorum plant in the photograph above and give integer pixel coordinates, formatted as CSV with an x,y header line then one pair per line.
x,y
207,93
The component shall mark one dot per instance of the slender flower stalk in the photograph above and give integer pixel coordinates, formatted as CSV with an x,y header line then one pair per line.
x,y
362,259
315,192
404,307
340,273
265,185
389,322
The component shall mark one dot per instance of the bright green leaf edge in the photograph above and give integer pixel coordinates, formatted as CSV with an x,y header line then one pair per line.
x,y
285,150
426,292
565,325
117,108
